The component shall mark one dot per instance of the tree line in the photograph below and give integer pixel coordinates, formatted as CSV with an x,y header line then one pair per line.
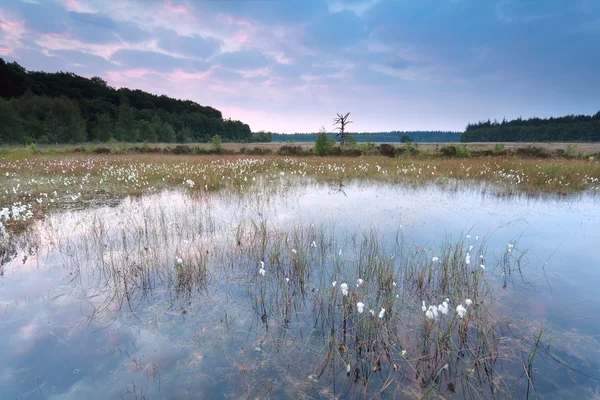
x,y
363,137
40,107
571,128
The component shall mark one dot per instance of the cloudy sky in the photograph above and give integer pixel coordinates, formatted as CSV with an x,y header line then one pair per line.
x,y
290,65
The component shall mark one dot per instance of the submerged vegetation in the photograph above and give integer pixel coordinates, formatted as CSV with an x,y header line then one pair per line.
x,y
291,310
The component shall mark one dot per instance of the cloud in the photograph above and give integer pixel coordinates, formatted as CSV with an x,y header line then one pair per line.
x,y
243,60
133,59
370,56
188,46
97,28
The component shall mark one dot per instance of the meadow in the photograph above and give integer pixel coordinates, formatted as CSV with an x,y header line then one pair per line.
x,y
270,276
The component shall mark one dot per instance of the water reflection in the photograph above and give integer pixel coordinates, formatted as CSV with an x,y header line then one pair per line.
x,y
95,302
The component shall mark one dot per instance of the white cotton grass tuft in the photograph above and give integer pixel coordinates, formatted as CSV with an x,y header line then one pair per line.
x,y
435,259
468,236
424,307
432,313
372,312
461,311
333,283
382,312
468,259
287,280
344,287
359,282
468,302
262,271
482,266
510,247
360,307
443,308
178,260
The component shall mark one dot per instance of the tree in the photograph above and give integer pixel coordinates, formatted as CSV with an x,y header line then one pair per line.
x,y
216,143
146,132
341,121
126,124
405,139
104,128
323,144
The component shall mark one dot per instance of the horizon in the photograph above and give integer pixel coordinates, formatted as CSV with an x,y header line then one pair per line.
x,y
289,67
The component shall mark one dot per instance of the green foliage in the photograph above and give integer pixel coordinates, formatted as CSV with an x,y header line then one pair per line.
x,y
499,148
323,145
387,150
66,108
363,137
572,151
455,151
463,151
351,141
409,149
564,129
405,138
216,143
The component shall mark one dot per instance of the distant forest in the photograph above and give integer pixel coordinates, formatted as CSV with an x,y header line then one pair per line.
x,y
394,136
40,107
572,128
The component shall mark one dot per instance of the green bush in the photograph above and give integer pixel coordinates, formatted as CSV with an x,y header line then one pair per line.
x,y
181,149
462,151
499,148
409,149
572,151
387,150
291,151
200,150
216,143
323,145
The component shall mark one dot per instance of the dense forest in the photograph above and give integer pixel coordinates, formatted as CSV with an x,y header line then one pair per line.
x,y
572,128
40,107
394,136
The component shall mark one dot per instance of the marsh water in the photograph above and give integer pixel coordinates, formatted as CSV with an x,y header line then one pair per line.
x,y
88,311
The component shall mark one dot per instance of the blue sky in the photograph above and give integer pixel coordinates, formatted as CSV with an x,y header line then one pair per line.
x,y
289,66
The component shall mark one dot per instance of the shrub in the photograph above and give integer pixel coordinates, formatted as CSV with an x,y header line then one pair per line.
x,y
291,151
101,150
200,150
216,143
32,148
499,148
181,149
351,152
455,151
462,151
533,151
255,150
387,150
409,149
572,151
323,145
367,148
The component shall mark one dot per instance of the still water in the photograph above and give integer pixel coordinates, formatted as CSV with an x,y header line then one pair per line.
x,y
71,331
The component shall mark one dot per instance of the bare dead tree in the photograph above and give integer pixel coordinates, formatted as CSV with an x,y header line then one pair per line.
x,y
342,121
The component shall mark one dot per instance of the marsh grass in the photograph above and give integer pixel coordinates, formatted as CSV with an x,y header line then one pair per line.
x,y
54,182
311,338
362,352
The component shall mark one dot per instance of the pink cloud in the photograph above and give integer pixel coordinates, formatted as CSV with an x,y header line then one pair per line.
x,y
12,27
240,22
125,75
176,8
5,51
180,76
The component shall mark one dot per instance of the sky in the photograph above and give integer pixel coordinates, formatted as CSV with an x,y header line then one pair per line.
x,y
291,65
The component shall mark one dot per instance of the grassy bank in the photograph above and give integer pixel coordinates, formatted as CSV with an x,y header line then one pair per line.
x,y
35,185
